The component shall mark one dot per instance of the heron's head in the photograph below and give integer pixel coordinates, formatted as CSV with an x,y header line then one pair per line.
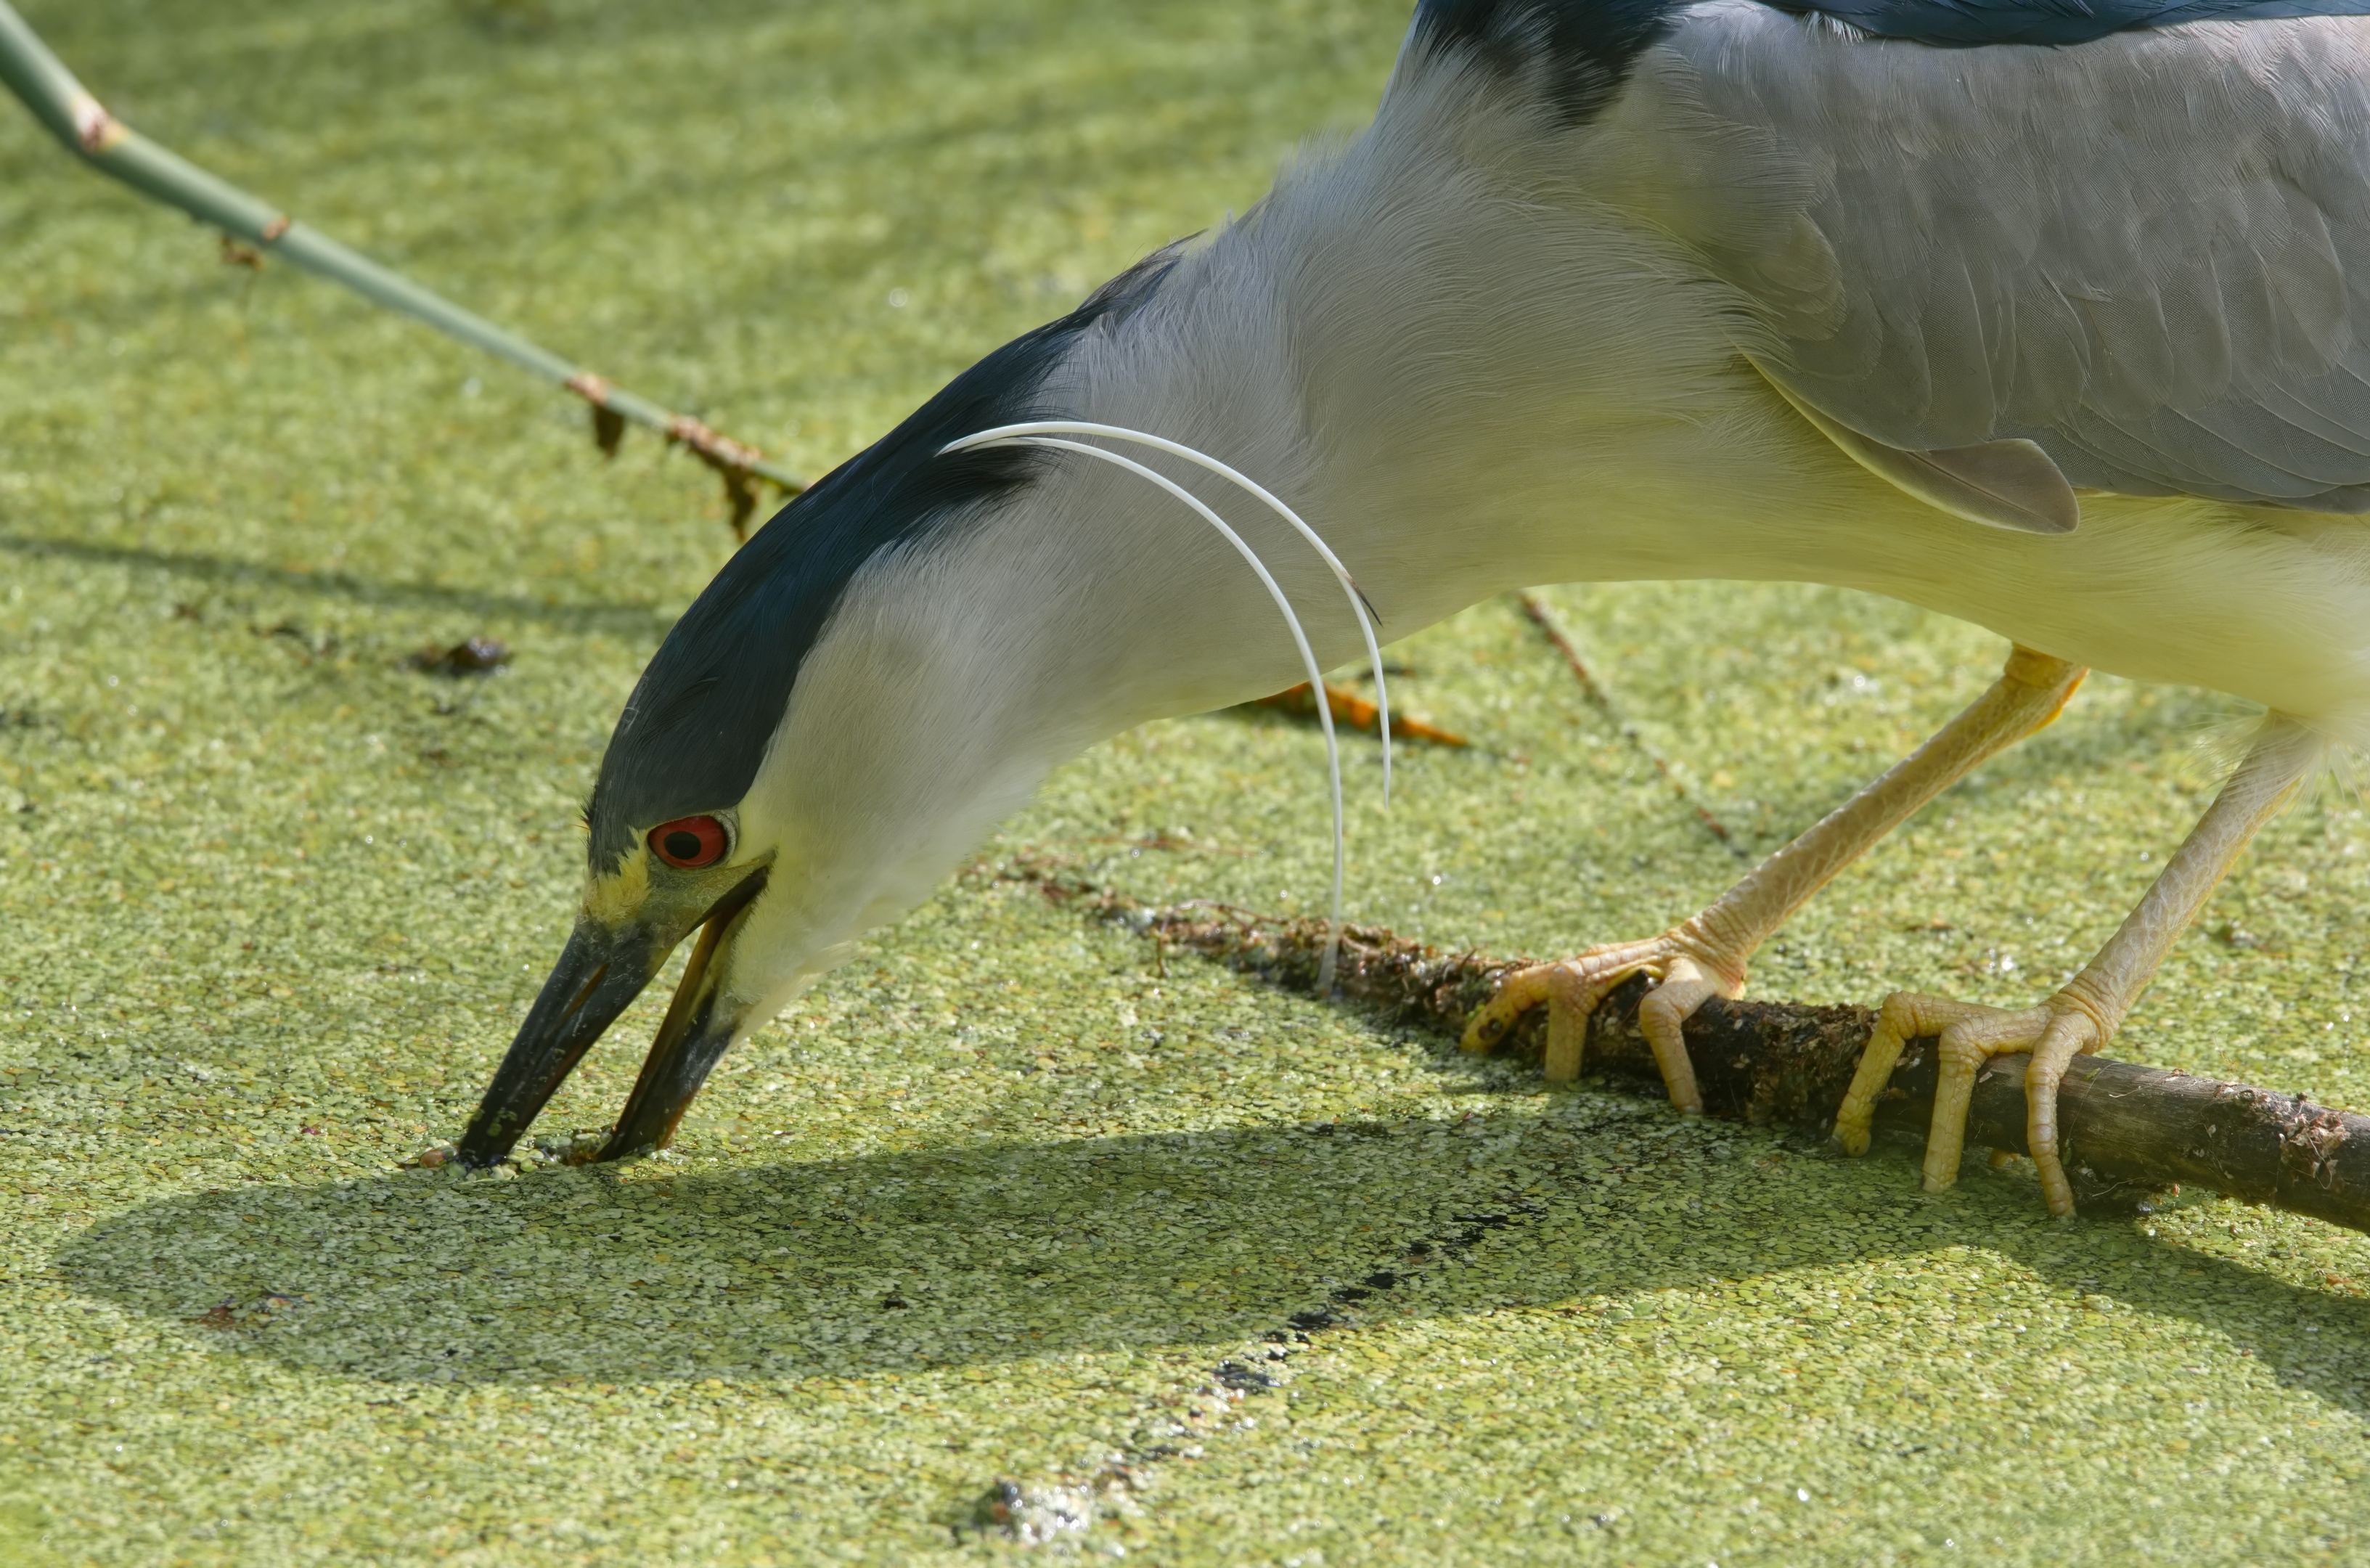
x,y
805,755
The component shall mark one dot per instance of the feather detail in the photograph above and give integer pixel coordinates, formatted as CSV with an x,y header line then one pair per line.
x,y
2000,484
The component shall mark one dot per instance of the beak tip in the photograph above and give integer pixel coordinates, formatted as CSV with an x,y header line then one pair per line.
x,y
614,1148
485,1141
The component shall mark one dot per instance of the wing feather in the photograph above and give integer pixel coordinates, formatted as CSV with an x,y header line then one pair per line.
x,y
2149,255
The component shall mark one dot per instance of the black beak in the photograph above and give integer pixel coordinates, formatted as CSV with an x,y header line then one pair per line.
x,y
697,1030
599,974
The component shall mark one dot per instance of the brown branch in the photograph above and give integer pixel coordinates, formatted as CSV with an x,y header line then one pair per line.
x,y
740,465
729,460
2129,1132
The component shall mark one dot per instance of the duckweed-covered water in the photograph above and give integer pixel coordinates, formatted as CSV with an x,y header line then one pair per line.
x,y
1017,1236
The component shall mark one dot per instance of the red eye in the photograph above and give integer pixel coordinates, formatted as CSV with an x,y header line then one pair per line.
x,y
690,842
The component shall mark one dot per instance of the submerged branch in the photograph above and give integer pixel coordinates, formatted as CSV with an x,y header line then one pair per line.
x,y
254,229
2128,1132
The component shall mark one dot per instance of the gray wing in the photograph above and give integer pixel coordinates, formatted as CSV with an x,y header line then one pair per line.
x,y
2148,255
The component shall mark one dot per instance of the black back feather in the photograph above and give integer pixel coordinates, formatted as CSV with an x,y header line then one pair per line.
x,y
1577,52
698,721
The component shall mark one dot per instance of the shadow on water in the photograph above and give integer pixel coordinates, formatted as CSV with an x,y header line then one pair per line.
x,y
633,620
1002,1252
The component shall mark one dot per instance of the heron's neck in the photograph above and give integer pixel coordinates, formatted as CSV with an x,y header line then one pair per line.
x,y
1463,390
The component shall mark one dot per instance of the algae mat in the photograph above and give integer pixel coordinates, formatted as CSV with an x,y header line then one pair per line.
x,y
1014,1231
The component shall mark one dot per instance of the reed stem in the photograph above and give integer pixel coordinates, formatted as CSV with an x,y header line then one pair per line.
x,y
69,111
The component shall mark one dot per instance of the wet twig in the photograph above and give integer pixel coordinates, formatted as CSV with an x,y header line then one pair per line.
x,y
254,230
2128,1132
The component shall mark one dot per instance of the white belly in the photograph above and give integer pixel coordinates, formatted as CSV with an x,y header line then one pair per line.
x,y
2270,606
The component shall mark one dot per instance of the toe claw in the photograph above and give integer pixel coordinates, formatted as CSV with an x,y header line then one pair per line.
x,y
1518,991
1489,1027
1573,989
1971,1038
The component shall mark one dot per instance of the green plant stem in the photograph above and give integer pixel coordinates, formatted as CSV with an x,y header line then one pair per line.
x,y
69,111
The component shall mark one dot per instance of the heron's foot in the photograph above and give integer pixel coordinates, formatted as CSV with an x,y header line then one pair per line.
x,y
1571,990
2054,1033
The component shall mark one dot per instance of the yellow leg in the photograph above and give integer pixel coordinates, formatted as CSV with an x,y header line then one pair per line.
x,y
2084,1015
1705,956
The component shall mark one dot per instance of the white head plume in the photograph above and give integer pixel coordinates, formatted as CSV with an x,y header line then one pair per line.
x,y
1050,433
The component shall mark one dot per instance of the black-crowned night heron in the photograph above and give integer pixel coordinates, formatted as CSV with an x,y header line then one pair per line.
x,y
2041,315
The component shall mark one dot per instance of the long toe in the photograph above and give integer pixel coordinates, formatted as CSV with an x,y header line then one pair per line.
x,y
1572,989
1967,1035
